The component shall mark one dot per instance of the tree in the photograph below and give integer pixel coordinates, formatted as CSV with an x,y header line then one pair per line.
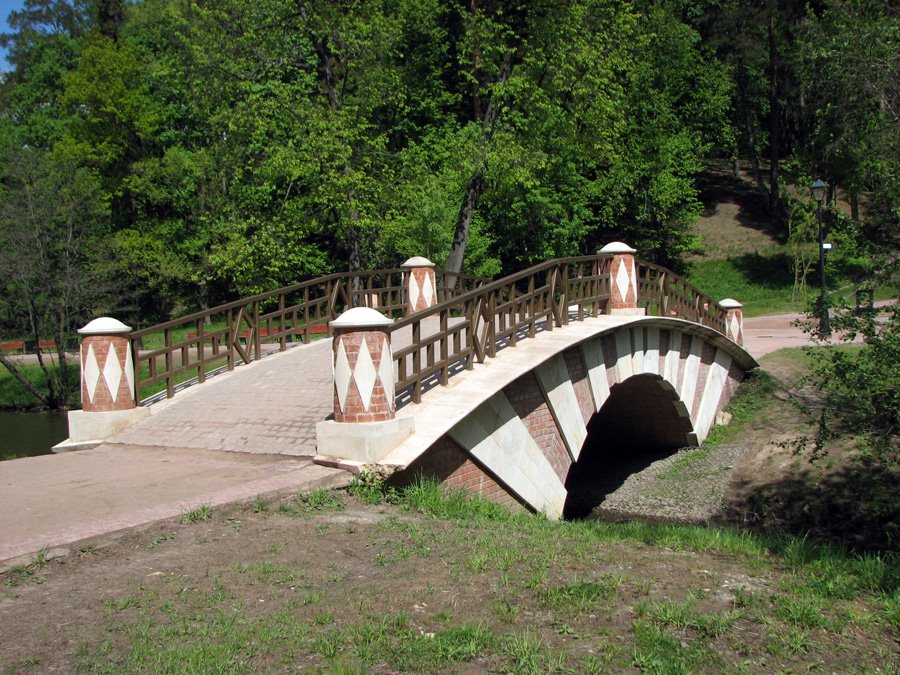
x,y
850,65
52,214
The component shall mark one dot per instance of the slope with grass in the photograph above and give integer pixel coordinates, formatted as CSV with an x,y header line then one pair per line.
x,y
743,253
436,582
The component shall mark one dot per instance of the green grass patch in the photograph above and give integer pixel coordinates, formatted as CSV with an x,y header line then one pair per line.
x,y
762,283
501,592
198,514
14,395
747,406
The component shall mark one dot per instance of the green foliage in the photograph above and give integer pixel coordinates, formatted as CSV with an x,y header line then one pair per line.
x,y
369,488
198,514
862,385
234,148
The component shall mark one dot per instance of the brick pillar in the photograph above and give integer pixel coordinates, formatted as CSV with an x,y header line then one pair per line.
x,y
421,288
107,370
623,279
734,320
363,367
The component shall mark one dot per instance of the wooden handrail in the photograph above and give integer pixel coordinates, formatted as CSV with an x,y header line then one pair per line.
x,y
473,326
473,319
235,332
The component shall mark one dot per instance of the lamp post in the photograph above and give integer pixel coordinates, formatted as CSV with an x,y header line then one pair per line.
x,y
818,191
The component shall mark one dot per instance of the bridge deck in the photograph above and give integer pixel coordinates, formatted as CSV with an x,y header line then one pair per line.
x,y
245,433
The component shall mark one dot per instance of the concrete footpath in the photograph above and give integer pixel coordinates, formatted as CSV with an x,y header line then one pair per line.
x,y
245,433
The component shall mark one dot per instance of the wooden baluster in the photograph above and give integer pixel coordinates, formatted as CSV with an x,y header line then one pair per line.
x,y
170,366
491,308
513,315
532,325
417,360
201,352
255,333
306,336
470,335
229,337
445,356
282,328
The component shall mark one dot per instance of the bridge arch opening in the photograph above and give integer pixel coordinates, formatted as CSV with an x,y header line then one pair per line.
x,y
642,421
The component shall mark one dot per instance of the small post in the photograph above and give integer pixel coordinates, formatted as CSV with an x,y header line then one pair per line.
x,y
107,370
364,429
734,320
421,288
108,402
623,281
363,367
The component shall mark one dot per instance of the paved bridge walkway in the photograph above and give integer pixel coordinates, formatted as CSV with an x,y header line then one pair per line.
x,y
242,434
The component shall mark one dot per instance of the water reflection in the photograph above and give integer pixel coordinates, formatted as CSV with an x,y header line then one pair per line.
x,y
26,434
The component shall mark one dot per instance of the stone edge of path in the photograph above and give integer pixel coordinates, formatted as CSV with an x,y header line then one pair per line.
x,y
103,532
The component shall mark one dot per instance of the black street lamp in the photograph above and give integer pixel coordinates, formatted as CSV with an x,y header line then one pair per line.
x,y
818,191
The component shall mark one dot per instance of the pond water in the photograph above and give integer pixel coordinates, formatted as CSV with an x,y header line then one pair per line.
x,y
25,434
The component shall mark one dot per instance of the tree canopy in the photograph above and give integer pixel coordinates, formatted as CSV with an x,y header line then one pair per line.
x,y
225,148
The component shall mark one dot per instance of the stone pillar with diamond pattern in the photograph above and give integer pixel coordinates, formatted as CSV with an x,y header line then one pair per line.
x,y
107,369
363,367
108,402
734,320
623,279
421,287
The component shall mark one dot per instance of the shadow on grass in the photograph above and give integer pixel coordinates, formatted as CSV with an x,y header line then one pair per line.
x,y
855,507
767,271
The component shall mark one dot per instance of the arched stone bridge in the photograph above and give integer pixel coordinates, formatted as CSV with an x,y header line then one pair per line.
x,y
533,425
514,388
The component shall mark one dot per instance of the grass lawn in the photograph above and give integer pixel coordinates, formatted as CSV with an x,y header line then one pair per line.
x,y
434,582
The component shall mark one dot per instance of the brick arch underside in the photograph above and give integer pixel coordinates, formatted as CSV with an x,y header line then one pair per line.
x,y
519,446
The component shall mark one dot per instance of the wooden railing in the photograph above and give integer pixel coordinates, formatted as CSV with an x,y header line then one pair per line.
x,y
191,347
663,293
471,322
473,326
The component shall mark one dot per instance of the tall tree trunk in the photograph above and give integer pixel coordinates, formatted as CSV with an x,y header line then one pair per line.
x,y
463,223
476,183
854,206
754,157
774,197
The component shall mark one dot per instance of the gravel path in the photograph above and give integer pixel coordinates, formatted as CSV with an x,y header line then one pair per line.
x,y
686,487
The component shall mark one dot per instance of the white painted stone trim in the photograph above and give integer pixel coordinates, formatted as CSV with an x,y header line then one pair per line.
x,y
497,438
673,358
594,361
651,356
553,378
418,261
361,317
691,373
105,325
712,393
617,247
637,356
623,355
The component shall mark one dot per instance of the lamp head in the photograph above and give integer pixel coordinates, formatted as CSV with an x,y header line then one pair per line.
x,y
818,189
